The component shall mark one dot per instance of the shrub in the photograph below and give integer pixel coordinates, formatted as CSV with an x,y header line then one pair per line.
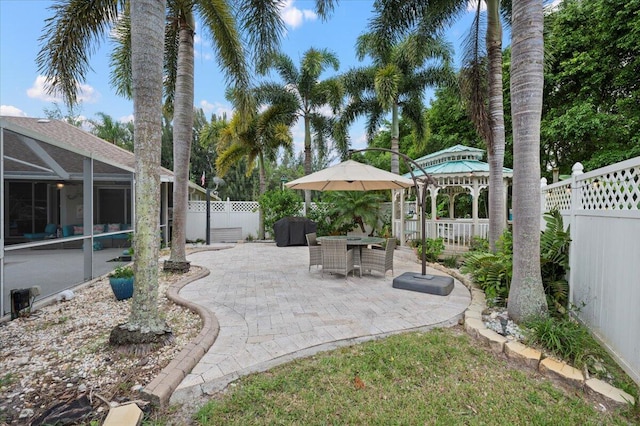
x,y
479,244
492,271
278,204
433,248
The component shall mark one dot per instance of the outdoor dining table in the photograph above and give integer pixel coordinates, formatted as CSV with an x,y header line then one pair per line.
x,y
354,242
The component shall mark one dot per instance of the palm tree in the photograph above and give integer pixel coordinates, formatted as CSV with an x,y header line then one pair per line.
x,y
312,95
394,81
67,38
526,294
482,79
257,141
147,31
113,131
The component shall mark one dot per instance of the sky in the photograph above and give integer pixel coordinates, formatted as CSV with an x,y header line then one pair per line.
x,y
22,87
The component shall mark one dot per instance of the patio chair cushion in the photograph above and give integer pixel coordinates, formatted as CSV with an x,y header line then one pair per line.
x,y
49,230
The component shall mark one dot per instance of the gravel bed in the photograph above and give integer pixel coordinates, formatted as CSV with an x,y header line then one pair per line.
x,y
61,352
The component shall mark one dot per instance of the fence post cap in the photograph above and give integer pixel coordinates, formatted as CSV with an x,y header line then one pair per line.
x,y
543,181
577,169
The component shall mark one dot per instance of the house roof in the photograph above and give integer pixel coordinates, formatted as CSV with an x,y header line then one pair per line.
x,y
53,149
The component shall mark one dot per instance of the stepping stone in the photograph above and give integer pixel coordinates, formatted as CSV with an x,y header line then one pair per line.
x,y
124,415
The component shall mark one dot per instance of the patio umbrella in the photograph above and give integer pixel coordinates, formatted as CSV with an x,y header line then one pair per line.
x,y
350,176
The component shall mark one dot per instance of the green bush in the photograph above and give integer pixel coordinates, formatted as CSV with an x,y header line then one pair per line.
x,y
479,244
492,271
277,204
433,248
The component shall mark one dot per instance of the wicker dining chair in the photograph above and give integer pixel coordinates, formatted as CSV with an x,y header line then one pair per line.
x,y
336,257
378,260
315,250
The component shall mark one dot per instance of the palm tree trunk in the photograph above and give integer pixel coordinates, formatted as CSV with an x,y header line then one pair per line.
x,y
147,46
182,136
526,295
495,148
263,189
307,158
395,138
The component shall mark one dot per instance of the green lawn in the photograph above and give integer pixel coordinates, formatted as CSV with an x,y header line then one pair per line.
x,y
440,377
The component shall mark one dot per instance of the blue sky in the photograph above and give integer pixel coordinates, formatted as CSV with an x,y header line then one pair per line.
x,y
21,87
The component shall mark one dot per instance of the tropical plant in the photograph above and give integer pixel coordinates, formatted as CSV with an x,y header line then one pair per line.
x,y
278,204
492,271
312,94
433,248
257,139
350,209
526,295
395,81
554,261
116,132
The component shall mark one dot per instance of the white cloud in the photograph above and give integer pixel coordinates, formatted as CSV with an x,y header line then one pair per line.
x,y
359,141
294,17
86,93
12,111
472,5
216,108
126,119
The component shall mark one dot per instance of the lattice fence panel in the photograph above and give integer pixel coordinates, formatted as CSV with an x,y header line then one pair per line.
x,y
558,198
617,190
244,206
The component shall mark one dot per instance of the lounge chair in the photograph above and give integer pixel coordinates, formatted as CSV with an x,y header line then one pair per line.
x,y
49,231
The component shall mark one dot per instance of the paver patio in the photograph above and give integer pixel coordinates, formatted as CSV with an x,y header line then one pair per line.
x,y
271,310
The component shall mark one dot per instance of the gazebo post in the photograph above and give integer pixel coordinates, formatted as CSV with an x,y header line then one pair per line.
x,y
452,205
434,211
475,195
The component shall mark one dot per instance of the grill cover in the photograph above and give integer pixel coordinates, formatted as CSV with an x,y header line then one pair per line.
x,y
290,231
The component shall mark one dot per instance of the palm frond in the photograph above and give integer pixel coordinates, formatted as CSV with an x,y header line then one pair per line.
x,y
69,38
120,63
262,22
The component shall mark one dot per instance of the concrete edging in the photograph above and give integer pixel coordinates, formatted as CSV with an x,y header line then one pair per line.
x,y
159,390
529,357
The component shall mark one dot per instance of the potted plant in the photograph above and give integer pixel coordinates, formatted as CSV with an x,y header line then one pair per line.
x,y
121,281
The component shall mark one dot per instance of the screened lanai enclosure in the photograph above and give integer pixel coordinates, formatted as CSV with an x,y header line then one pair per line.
x,y
67,207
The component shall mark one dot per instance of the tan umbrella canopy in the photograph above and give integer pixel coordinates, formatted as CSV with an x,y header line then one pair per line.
x,y
350,176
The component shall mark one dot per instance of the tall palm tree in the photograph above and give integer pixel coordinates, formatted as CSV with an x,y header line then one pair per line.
x,y
263,25
67,39
312,95
394,82
526,293
257,141
482,79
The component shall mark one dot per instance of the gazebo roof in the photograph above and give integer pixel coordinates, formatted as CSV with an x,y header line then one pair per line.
x,y
458,160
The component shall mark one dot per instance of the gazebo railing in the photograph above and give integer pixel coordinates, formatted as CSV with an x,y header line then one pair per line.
x,y
456,233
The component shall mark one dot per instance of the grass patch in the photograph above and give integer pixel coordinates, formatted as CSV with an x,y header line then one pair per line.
x,y
440,377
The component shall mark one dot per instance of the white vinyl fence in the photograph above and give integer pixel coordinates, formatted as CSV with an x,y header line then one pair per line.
x,y
602,208
230,220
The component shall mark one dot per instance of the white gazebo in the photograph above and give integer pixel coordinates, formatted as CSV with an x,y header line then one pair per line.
x,y
457,170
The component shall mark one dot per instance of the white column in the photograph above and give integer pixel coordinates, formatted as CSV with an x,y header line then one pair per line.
x,y
475,193
434,208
